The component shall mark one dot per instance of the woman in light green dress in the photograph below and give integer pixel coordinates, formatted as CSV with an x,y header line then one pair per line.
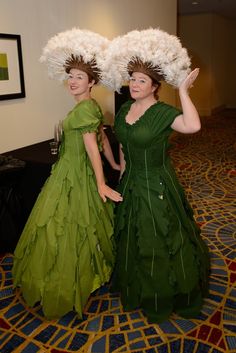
x,y
66,249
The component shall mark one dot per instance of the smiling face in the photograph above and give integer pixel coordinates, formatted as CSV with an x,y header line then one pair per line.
x,y
141,86
79,84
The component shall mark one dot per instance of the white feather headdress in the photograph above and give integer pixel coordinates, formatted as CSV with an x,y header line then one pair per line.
x,y
77,42
161,51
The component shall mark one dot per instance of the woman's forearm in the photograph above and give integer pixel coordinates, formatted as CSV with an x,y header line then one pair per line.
x,y
107,151
189,121
190,115
90,141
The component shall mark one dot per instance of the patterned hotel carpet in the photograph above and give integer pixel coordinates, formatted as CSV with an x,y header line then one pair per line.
x,y
206,166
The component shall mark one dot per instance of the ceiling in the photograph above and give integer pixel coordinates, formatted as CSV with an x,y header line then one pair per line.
x,y
222,7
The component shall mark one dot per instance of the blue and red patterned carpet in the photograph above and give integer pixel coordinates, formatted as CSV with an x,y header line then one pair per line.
x,y
206,165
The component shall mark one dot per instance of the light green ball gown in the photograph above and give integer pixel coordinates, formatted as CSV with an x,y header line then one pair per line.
x,y
66,249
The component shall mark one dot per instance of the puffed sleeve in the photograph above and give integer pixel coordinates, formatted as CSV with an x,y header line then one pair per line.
x,y
86,116
164,117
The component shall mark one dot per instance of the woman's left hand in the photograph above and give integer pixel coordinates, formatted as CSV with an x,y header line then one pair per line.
x,y
105,191
189,80
116,166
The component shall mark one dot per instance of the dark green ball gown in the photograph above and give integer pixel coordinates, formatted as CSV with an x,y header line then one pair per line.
x,y
65,251
162,263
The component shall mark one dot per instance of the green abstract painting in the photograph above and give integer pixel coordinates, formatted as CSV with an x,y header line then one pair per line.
x,y
4,75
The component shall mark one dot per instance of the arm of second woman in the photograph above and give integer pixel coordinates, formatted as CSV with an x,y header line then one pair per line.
x,y
189,121
107,151
90,142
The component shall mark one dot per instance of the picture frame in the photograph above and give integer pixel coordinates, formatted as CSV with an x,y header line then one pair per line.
x,y
12,84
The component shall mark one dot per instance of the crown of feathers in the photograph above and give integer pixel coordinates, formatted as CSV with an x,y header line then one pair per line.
x,y
85,46
159,51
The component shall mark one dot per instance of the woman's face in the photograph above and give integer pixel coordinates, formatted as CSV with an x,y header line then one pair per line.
x,y
141,86
78,83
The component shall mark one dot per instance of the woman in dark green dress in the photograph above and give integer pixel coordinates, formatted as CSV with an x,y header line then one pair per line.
x,y
162,263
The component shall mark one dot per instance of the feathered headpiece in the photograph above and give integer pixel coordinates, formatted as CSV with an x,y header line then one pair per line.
x,y
152,51
75,48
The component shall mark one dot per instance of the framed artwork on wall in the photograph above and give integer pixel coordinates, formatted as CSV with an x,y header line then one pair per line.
x,y
12,84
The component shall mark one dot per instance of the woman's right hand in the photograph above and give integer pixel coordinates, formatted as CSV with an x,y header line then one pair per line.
x,y
105,191
189,80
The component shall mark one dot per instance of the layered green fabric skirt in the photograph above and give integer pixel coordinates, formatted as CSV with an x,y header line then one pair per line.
x,y
162,262
66,249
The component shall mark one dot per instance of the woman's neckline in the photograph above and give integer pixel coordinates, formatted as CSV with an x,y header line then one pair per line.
x,y
141,116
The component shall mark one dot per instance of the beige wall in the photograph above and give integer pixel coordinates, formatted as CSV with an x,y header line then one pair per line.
x,y
209,39
31,120
231,66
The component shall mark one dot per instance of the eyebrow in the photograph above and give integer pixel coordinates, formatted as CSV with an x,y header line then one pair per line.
x,y
76,74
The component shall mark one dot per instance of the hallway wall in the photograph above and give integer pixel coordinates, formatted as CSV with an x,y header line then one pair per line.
x,y
211,44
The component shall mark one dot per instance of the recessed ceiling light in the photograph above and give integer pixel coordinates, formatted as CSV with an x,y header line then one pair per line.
x,y
194,3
